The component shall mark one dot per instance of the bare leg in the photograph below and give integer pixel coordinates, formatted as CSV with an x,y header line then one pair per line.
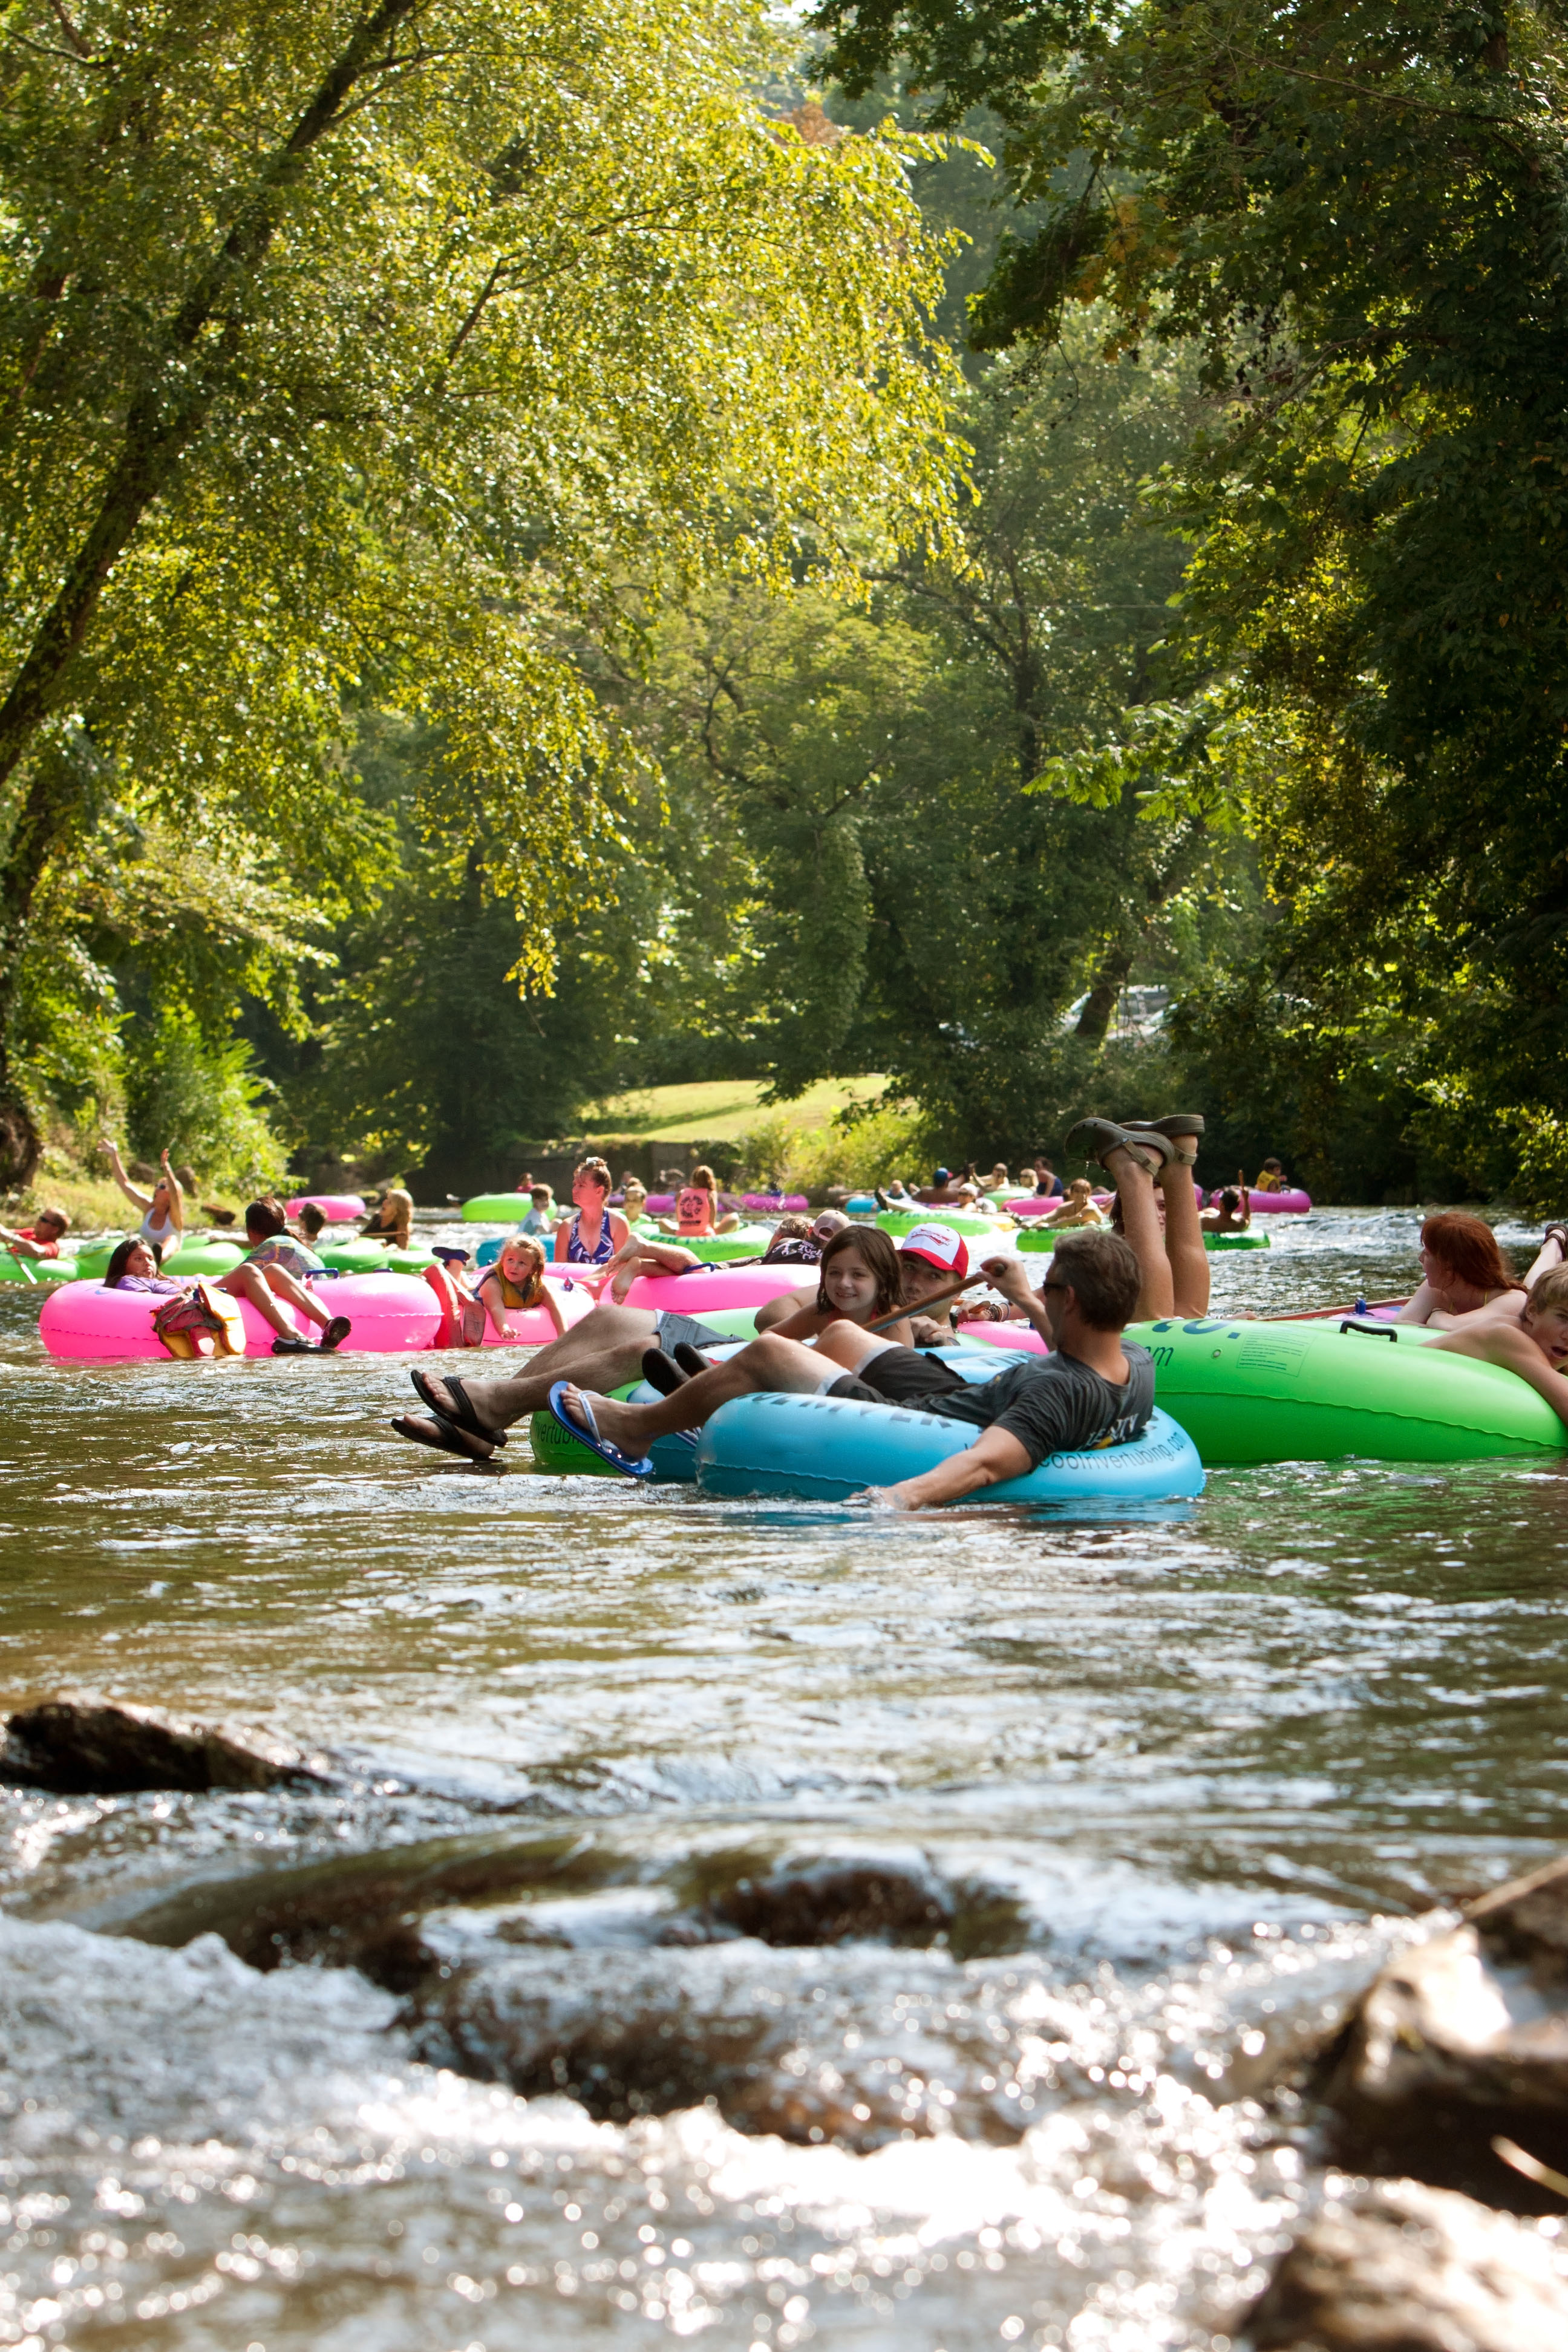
x,y
1141,1224
1547,1258
769,1363
249,1281
604,1352
1185,1248
287,1285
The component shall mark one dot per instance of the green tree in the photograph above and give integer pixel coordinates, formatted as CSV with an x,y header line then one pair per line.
x,y
1352,216
352,354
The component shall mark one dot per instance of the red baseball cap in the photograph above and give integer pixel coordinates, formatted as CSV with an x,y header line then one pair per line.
x,y
940,1246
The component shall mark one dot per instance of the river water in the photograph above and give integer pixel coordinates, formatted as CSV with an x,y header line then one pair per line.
x,y
1088,1822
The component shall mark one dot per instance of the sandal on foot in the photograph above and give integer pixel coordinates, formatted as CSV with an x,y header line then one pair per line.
x,y
460,1412
586,1432
690,1358
1561,1234
442,1436
336,1332
290,1343
1101,1136
661,1371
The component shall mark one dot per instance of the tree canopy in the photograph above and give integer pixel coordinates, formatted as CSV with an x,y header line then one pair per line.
x,y
366,356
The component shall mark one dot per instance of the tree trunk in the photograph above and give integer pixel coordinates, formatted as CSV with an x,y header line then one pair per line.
x,y
162,422
1101,1002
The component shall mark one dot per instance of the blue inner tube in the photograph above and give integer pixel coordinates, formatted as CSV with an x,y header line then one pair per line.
x,y
825,1449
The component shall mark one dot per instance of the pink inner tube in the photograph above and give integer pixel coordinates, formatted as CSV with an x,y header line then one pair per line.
x,y
338,1208
391,1314
1293,1203
786,1204
1031,1207
717,1285
1022,1336
530,1326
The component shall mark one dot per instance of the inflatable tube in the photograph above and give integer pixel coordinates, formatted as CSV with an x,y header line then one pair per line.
x,y
1309,1392
904,1220
1033,1244
717,1285
338,1208
392,1314
37,1273
1291,1204
1021,1336
1034,1206
206,1257
746,1241
777,1204
496,1209
363,1257
825,1449
524,1327
658,1205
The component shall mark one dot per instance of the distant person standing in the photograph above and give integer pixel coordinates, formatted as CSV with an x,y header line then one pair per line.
x,y
595,1232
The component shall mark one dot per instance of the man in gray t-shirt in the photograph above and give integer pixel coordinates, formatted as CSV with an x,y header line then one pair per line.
x,y
1092,1390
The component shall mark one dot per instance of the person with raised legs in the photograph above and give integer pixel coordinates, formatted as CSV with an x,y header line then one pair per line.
x,y
1151,1164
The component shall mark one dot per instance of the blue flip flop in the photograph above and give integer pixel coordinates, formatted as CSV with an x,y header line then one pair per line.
x,y
590,1438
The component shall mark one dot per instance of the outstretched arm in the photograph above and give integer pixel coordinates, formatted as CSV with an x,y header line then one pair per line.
x,y
996,1454
143,1201
176,1198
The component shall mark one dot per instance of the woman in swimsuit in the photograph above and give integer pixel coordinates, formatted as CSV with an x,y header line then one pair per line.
x,y
392,1219
595,1232
162,1209
1464,1275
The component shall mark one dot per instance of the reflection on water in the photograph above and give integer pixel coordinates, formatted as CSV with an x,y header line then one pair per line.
x,y
1188,1771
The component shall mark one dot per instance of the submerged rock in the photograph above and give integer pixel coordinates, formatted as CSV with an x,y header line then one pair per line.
x,y
834,1898
795,2044
1462,2040
79,1746
1399,2267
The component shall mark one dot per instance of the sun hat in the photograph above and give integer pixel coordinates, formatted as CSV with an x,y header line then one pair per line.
x,y
940,1246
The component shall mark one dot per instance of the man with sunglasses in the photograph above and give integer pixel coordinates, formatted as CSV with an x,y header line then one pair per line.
x,y
1093,1390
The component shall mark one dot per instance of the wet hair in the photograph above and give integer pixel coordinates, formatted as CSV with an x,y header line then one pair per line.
x,y
879,1258
1549,1295
313,1220
1469,1248
597,1168
115,1272
1103,1274
525,1246
265,1220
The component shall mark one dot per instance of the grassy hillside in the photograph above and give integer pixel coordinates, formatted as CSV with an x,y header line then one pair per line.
x,y
715,1111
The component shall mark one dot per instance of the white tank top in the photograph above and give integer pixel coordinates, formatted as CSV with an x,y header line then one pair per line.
x,y
159,1236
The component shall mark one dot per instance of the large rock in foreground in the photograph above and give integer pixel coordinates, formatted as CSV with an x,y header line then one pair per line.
x,y
1461,2041
81,1746
1399,2267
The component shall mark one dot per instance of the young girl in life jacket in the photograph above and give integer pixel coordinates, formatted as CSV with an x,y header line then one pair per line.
x,y
696,1208
515,1280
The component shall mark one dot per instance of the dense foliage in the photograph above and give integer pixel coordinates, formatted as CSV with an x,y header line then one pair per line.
x,y
361,357
1353,218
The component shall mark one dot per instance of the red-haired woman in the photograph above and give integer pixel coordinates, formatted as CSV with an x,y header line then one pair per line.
x,y
1466,1278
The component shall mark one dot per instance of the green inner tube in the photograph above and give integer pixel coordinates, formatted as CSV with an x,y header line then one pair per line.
x,y
904,1220
202,1258
561,1455
1309,1392
497,1209
1031,1241
38,1273
374,1257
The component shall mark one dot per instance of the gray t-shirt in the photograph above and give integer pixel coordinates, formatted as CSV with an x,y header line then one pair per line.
x,y
1054,1405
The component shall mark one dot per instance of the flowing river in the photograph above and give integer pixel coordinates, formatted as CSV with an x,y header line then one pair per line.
x,y
857,1931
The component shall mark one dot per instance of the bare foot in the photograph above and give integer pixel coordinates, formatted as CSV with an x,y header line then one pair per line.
x,y
476,1392
444,1438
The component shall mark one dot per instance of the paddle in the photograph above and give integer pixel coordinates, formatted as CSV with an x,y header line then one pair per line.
x,y
924,1306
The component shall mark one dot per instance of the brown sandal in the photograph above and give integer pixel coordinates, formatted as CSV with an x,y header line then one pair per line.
x,y
1103,1136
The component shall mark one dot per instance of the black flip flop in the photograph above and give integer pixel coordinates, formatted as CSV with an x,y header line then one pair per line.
x,y
688,1360
661,1371
444,1438
460,1414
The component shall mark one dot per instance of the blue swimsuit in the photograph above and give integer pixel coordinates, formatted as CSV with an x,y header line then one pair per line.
x,y
576,1252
